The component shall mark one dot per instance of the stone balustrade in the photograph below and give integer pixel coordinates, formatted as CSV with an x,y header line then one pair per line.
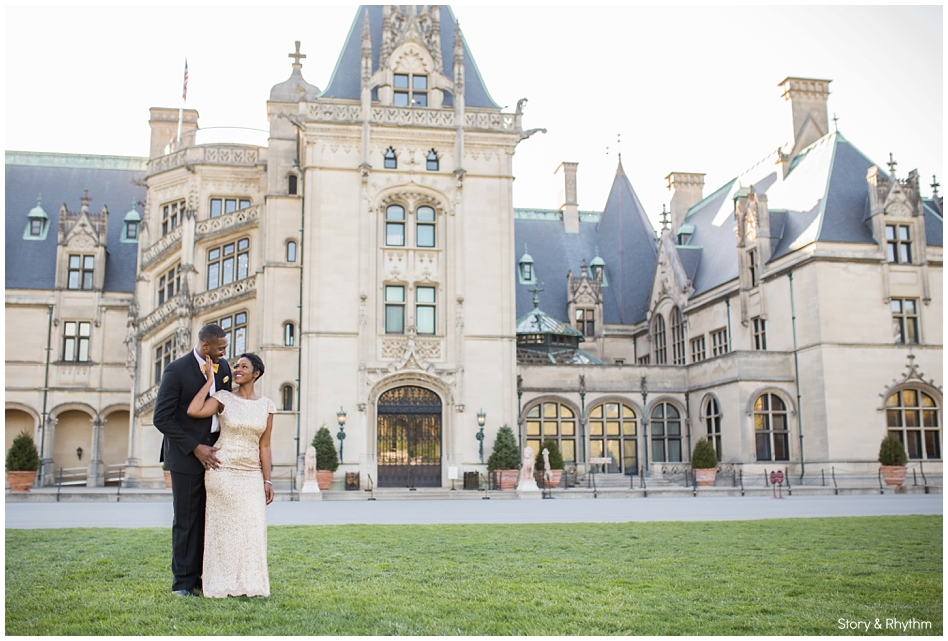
x,y
207,155
212,226
147,398
229,293
428,117
166,244
158,318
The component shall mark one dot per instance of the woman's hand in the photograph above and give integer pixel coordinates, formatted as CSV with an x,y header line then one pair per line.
x,y
268,491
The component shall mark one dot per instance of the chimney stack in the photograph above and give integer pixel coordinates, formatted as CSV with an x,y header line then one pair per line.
x,y
807,98
164,129
687,191
570,206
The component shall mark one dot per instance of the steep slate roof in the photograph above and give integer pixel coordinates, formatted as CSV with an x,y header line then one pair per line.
x,y
824,197
934,221
61,178
624,238
346,77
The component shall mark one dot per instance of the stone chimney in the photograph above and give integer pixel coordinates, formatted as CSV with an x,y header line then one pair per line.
x,y
164,129
687,191
807,98
570,206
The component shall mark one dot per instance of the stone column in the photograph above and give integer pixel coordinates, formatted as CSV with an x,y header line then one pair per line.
x,y
47,471
96,471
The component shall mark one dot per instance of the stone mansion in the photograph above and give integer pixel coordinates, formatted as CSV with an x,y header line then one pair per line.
x,y
370,253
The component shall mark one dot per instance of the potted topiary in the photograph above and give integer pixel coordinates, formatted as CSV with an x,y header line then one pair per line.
x,y
893,458
704,463
22,463
327,461
556,463
504,461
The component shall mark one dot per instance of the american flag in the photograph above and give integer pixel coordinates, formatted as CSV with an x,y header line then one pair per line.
x,y
184,95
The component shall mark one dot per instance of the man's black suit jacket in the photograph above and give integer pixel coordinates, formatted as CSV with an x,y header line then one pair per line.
x,y
181,380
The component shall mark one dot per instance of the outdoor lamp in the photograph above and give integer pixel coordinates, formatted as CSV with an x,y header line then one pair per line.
x,y
79,453
341,419
481,420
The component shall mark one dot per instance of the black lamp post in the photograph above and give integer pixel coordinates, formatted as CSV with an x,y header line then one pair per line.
x,y
645,421
79,453
481,420
341,418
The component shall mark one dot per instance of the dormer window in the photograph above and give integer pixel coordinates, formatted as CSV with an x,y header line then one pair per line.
x,y
81,270
431,163
37,222
411,90
597,268
391,161
36,227
131,222
131,230
898,244
526,272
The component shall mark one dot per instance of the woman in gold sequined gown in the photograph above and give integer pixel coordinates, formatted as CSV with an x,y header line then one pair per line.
x,y
235,540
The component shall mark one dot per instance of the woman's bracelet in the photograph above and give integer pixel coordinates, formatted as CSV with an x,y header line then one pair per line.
x,y
267,481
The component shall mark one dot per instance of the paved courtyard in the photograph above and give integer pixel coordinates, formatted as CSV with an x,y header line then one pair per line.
x,y
580,510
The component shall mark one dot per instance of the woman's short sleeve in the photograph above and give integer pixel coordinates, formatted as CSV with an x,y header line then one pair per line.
x,y
221,396
271,407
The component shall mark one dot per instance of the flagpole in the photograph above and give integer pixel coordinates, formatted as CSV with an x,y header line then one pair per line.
x,y
184,100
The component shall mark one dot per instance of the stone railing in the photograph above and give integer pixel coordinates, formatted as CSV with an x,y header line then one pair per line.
x,y
170,242
207,155
146,399
227,294
212,226
419,116
159,317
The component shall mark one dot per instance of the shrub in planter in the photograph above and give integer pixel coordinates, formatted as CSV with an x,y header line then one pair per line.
x,y
327,461
704,462
504,461
556,462
22,463
893,458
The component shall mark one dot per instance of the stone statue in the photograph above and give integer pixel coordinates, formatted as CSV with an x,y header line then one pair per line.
x,y
310,486
547,472
529,461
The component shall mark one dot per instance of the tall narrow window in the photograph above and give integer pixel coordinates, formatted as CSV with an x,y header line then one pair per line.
x,y
291,184
287,397
666,433
425,227
905,320
235,327
291,251
164,352
697,349
719,342
612,433
760,333
131,229
431,162
390,161
658,340
172,215
395,226
678,337
912,415
289,332
76,341
712,420
36,227
752,267
81,271
425,310
586,321
898,244
394,309
770,428
227,263
169,283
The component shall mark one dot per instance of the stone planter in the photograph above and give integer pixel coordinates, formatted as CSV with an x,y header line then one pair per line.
x,y
506,479
705,478
167,478
893,475
323,479
555,481
21,481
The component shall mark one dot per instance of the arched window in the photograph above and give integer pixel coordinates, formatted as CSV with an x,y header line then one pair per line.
x,y
432,161
912,415
291,251
395,226
286,395
291,184
390,162
770,428
552,420
678,337
712,421
658,340
289,334
425,226
612,433
666,433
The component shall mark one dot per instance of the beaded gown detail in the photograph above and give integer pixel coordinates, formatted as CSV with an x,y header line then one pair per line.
x,y
235,540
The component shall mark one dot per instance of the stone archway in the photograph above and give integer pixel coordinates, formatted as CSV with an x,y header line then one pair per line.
x,y
16,421
409,438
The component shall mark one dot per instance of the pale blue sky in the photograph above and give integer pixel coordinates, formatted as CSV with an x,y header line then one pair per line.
x,y
689,88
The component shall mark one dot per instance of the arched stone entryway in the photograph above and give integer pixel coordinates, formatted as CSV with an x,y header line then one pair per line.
x,y
409,438
16,421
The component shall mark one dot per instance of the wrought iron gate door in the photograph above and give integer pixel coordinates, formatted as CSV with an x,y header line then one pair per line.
x,y
409,438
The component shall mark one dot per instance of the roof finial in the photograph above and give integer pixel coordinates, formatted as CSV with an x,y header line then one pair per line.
x,y
297,56
665,221
85,200
835,122
366,33
536,295
892,164
935,185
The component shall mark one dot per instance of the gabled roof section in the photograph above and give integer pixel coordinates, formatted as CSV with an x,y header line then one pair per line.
x,y
537,322
934,222
346,77
61,178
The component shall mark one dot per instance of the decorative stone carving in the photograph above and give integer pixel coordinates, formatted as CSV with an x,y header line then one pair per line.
x,y
224,295
164,245
146,399
227,221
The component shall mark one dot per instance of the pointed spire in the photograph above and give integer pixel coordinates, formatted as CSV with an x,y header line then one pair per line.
x,y
664,218
935,185
458,58
366,35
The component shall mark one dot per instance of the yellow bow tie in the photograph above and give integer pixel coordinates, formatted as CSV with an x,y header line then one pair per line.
x,y
204,368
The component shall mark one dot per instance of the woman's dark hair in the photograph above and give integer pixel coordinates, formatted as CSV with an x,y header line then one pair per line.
x,y
255,361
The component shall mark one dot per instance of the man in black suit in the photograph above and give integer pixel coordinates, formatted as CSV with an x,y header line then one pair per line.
x,y
188,450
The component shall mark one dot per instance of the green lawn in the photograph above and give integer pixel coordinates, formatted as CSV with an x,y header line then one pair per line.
x,y
774,577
